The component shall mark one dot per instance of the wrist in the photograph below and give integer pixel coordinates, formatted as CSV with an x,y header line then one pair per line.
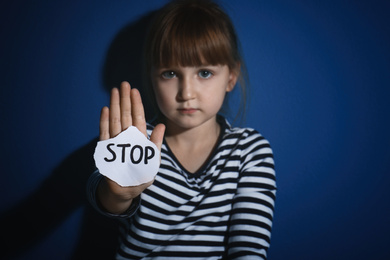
x,y
111,201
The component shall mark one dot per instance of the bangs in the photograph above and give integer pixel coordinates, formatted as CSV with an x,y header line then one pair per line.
x,y
193,38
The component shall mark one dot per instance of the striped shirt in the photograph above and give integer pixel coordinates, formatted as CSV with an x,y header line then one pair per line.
x,y
223,211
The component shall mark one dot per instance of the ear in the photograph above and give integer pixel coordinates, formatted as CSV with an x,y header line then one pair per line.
x,y
233,76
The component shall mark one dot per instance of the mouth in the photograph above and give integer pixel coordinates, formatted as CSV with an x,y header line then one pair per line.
x,y
187,110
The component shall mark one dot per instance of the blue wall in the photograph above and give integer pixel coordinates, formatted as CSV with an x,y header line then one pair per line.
x,y
320,83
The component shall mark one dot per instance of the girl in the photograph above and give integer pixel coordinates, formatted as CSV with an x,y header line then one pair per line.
x,y
213,196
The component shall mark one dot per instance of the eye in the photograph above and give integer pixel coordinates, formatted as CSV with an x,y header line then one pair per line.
x,y
205,74
168,74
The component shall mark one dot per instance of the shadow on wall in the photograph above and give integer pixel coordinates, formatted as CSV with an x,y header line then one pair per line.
x,y
124,61
64,191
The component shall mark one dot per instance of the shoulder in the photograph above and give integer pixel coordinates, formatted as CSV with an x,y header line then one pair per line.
x,y
244,137
251,154
246,145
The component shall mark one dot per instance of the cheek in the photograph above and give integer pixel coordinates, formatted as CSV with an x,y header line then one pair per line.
x,y
215,100
163,98
220,93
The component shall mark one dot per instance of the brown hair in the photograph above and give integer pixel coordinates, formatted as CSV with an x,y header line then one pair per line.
x,y
194,33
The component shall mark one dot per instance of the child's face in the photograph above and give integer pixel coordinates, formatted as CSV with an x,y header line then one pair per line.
x,y
191,96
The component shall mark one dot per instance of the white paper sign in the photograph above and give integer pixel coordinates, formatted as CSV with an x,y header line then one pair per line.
x,y
129,159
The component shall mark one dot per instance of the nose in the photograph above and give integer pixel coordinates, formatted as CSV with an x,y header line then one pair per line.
x,y
186,90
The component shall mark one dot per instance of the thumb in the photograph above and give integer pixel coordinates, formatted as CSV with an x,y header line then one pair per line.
x,y
157,135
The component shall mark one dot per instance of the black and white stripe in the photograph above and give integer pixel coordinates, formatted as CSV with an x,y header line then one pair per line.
x,y
224,210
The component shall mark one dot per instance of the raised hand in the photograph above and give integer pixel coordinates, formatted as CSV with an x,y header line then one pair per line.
x,y
126,109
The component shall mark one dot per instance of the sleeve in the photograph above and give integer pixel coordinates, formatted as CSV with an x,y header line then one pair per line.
x,y
92,185
253,204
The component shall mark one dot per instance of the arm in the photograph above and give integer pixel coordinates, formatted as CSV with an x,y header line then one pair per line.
x,y
253,205
126,109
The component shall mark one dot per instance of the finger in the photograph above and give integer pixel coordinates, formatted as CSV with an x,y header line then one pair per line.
x,y
125,106
158,135
138,112
115,117
104,124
